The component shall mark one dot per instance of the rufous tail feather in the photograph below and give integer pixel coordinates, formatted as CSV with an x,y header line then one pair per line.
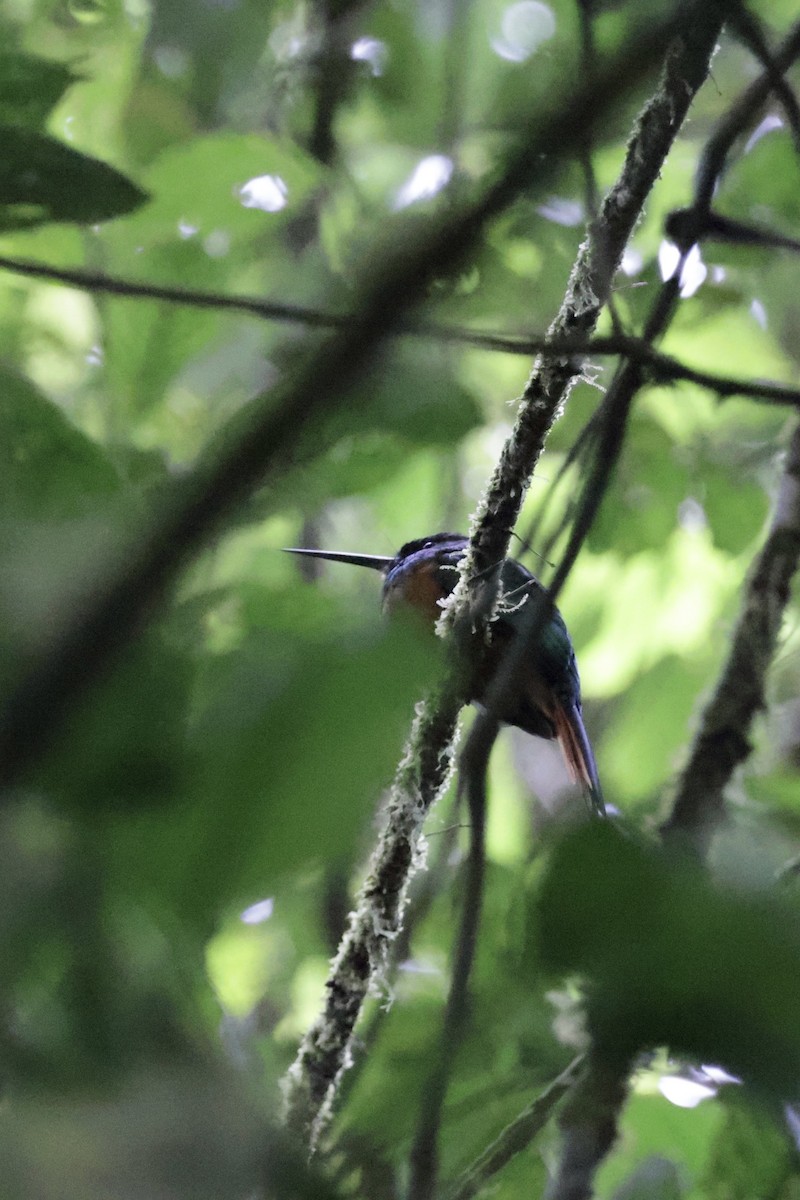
x,y
578,755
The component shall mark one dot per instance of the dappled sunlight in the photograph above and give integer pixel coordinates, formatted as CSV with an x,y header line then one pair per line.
x,y
372,51
266,192
693,273
656,605
524,27
509,811
254,914
307,986
685,1093
274,276
241,963
562,211
429,177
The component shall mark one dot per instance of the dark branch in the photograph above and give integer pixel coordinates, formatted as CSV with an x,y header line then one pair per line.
x,y
425,1153
740,117
750,29
663,367
102,284
589,1126
427,249
685,69
589,1122
722,742
325,1051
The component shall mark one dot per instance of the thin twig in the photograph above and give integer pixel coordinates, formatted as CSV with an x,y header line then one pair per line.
x,y
425,1153
747,26
587,61
102,284
589,1121
516,1136
663,367
740,117
723,740
332,71
607,439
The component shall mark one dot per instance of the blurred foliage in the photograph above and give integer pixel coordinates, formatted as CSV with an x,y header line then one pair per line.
x,y
672,959
176,870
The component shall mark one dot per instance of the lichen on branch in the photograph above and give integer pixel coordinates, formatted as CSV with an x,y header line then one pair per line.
x,y
325,1052
722,741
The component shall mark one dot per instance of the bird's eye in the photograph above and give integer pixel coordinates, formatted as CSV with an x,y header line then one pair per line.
x,y
427,545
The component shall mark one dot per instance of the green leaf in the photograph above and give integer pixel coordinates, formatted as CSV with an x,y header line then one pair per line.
x,y
291,742
197,1126
30,87
751,1155
673,960
649,483
653,1131
736,506
200,189
123,747
411,391
197,232
353,466
307,733
742,194
651,719
43,180
153,340
48,468
412,399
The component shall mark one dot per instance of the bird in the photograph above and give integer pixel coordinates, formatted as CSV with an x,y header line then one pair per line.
x,y
547,702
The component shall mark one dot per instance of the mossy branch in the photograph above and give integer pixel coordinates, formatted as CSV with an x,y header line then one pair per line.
x,y
359,967
722,741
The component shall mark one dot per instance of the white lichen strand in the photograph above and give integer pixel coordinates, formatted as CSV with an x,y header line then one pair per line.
x,y
585,301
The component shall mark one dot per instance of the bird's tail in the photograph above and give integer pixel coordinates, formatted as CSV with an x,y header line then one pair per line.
x,y
578,754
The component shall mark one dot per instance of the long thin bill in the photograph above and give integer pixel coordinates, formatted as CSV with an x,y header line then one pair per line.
x,y
376,562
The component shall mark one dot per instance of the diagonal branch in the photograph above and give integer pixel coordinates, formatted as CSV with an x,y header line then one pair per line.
x,y
325,1052
685,68
722,742
475,759
117,606
739,117
589,1121
516,1136
473,768
749,27
102,284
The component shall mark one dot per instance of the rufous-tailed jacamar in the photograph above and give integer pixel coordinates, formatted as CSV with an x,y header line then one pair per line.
x,y
548,704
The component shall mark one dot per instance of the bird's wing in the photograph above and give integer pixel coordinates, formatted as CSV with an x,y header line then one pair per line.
x,y
554,655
